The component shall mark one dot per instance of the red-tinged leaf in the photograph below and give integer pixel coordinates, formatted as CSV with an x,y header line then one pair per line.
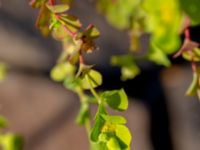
x,y
37,3
187,46
43,20
71,22
92,32
58,8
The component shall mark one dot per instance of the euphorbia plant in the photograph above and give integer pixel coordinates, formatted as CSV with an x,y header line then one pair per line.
x,y
108,131
163,21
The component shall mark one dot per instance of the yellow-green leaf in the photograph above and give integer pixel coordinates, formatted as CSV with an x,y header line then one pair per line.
x,y
113,144
192,90
58,8
124,135
60,71
116,99
92,79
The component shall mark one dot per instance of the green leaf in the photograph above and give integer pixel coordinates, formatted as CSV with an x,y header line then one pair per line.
x,y
61,71
192,90
58,8
3,122
11,142
92,32
83,115
124,136
118,13
72,83
164,23
37,3
59,32
158,56
129,72
113,144
72,23
103,137
96,130
92,79
169,43
123,60
43,20
114,119
98,125
3,71
66,1
129,68
98,146
116,99
192,55
191,7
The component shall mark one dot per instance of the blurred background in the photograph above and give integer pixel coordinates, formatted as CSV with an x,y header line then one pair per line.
x,y
160,117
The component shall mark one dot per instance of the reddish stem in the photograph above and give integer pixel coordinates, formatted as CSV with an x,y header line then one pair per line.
x,y
187,33
81,59
52,2
194,66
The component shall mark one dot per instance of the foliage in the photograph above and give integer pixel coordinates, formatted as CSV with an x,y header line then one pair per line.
x,y
9,141
53,19
3,70
163,21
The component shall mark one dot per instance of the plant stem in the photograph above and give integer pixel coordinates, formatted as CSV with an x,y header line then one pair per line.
x,y
187,33
93,91
52,2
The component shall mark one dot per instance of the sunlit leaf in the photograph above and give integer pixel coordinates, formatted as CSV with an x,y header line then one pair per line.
x,y
164,22
37,3
72,83
3,122
124,136
119,12
3,71
59,33
92,32
11,142
158,56
129,68
58,8
129,72
103,137
71,23
43,20
113,144
60,71
92,79
116,99
192,55
191,7
114,119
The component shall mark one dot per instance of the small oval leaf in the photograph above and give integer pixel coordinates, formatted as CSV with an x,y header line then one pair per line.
x,y
116,99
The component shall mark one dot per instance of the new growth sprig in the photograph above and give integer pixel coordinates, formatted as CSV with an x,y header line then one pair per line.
x,y
163,22
106,132
190,51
